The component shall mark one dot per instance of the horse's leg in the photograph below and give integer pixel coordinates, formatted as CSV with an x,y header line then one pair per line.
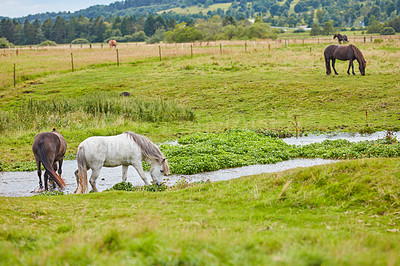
x,y
333,66
93,178
46,179
352,67
139,169
77,177
328,66
39,173
60,163
124,172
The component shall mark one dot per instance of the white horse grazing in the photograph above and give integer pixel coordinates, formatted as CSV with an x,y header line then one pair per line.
x,y
125,149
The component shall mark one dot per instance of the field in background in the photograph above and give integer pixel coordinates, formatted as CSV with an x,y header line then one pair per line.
x,y
32,62
268,85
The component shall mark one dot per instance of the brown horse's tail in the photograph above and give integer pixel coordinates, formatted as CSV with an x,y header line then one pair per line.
x,y
82,172
45,161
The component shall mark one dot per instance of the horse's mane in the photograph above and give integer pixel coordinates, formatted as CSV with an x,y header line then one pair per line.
x,y
359,56
149,149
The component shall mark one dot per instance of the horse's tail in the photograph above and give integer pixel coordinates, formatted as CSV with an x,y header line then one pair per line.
x,y
359,56
327,59
82,171
45,161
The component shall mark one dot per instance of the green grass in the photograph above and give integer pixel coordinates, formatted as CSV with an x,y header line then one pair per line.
x,y
344,213
260,89
339,214
196,9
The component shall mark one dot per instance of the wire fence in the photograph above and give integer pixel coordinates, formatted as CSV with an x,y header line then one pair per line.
x,y
26,63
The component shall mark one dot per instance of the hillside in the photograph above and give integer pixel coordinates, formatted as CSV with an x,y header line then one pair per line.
x,y
346,13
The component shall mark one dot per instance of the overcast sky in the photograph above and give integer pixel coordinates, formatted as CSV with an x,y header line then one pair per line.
x,y
21,8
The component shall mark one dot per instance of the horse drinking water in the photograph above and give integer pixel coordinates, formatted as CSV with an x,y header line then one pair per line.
x,y
48,149
125,149
344,53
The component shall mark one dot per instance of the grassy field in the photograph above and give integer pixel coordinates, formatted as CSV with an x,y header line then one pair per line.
x,y
345,213
196,9
261,88
340,214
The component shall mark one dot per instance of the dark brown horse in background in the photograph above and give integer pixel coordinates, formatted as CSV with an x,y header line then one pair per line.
x,y
341,38
344,53
49,148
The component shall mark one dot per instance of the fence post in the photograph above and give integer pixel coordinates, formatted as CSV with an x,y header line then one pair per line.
x,y
245,47
72,62
220,48
117,57
371,38
14,76
159,51
365,39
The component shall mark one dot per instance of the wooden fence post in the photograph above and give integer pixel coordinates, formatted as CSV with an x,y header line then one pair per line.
x,y
159,51
72,62
117,57
14,76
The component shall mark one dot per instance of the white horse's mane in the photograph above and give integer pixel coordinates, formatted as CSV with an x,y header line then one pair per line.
x,y
149,149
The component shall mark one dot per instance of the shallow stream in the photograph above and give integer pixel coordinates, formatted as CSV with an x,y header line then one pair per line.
x,y
20,184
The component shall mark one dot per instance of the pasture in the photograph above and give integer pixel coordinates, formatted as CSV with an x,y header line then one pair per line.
x,y
345,213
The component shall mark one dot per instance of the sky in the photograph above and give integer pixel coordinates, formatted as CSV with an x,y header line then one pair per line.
x,y
21,8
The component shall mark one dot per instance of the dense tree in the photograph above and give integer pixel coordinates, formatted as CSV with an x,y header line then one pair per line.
x,y
315,30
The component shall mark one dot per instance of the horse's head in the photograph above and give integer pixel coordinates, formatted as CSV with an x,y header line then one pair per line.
x,y
158,169
335,36
361,66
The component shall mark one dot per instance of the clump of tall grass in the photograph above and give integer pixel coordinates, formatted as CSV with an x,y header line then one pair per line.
x,y
102,106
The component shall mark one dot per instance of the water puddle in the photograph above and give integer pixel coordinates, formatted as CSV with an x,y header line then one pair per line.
x,y
352,137
20,184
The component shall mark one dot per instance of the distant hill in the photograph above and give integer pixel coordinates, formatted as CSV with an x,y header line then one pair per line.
x,y
123,8
344,13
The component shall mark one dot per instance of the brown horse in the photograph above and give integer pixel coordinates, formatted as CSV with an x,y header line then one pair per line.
x,y
344,53
112,43
341,38
49,148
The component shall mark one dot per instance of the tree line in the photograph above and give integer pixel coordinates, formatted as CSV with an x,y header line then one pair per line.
x,y
130,29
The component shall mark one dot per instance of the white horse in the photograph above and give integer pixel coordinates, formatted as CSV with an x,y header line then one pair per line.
x,y
125,149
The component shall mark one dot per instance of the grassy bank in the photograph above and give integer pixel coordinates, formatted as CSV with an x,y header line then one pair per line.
x,y
344,213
